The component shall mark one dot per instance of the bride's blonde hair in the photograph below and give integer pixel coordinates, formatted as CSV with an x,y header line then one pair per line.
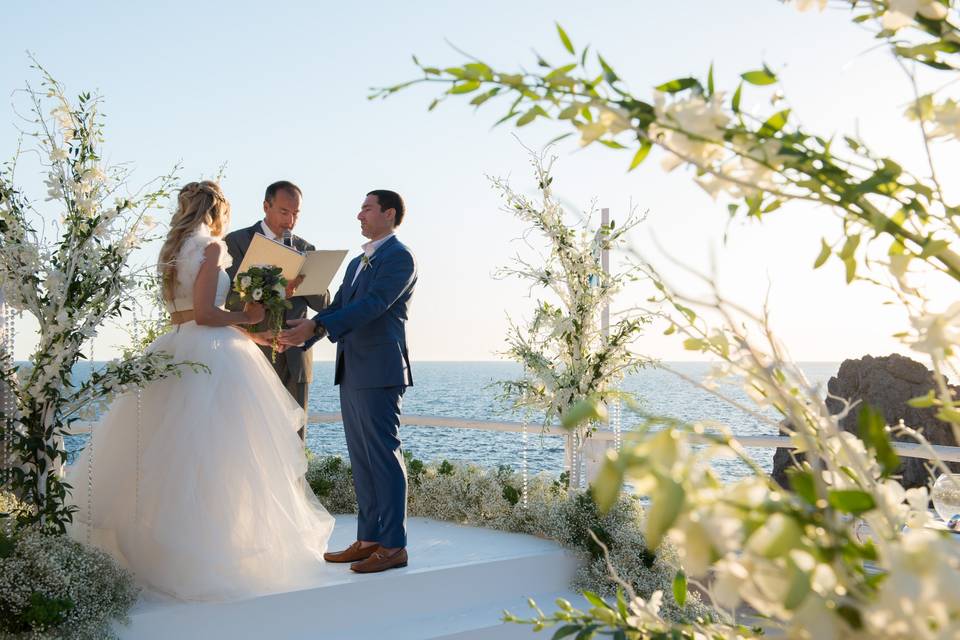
x,y
198,203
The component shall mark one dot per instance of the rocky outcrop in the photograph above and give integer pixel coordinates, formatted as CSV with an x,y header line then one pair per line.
x,y
885,383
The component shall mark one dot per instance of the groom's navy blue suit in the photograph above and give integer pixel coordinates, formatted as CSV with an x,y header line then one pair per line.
x,y
367,321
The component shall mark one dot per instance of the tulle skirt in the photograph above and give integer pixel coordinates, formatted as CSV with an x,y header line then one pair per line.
x,y
198,486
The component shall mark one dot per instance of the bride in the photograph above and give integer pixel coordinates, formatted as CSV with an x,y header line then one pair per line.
x,y
197,485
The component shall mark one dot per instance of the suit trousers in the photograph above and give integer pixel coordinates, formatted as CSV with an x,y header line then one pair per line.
x,y
371,422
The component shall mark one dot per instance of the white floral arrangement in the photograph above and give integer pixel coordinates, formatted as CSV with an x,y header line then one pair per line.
x,y
71,275
53,587
564,349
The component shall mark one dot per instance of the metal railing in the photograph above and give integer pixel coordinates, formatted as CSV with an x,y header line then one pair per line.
x,y
905,449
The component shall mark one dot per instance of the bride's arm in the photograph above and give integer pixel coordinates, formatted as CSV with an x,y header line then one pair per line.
x,y
205,312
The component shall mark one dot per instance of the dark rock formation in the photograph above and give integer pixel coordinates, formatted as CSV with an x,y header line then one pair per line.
x,y
885,383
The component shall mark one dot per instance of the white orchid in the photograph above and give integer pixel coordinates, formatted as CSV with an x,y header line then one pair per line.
x,y
700,123
901,13
806,5
936,333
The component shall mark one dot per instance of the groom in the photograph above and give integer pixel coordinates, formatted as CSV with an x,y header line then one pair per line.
x,y
367,321
281,209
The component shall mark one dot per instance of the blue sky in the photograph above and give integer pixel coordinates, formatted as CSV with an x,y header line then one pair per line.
x,y
279,91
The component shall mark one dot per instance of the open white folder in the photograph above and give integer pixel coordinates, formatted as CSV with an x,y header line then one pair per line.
x,y
317,267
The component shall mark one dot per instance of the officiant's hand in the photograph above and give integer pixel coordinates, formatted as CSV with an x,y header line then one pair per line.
x,y
255,313
293,284
301,330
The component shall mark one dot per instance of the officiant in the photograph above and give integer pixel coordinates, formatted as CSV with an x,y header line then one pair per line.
x,y
281,208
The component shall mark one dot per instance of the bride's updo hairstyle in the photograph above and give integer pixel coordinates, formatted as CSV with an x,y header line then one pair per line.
x,y
199,204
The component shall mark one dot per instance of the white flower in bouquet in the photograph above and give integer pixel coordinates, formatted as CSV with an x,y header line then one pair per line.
x,y
280,289
246,281
257,293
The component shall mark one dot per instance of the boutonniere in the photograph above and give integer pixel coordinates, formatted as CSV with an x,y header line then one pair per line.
x,y
365,260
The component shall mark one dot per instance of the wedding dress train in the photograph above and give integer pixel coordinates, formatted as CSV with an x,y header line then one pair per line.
x,y
198,482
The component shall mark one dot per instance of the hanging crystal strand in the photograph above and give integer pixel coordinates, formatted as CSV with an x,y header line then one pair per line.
x,y
92,422
616,423
6,324
136,497
524,471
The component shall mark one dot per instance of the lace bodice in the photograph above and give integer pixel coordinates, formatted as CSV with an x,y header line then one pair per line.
x,y
188,266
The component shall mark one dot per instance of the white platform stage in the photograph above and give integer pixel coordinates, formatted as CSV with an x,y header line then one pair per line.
x,y
457,584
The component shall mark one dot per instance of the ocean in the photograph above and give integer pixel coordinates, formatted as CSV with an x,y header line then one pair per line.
x,y
467,390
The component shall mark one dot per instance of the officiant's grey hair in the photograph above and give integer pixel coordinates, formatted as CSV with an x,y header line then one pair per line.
x,y
281,185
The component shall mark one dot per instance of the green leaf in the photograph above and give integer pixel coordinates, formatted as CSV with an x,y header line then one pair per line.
x,y
851,615
678,84
608,72
774,123
588,409
531,115
565,39
566,630
823,255
760,77
569,112
680,588
641,154
853,501
850,266
736,98
605,488
801,482
666,504
465,87
923,402
872,428
560,72
483,97
849,247
710,81
798,587
596,600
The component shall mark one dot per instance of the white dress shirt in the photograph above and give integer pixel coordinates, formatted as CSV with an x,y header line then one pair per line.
x,y
369,248
265,230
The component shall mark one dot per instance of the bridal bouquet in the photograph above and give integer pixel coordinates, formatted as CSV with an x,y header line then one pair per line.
x,y
264,285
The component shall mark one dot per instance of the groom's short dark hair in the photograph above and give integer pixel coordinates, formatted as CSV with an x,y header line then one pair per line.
x,y
282,185
390,200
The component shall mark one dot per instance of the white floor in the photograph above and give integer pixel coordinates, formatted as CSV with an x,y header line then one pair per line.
x,y
457,584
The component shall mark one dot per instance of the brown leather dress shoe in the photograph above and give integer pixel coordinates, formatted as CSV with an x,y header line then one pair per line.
x,y
351,554
380,561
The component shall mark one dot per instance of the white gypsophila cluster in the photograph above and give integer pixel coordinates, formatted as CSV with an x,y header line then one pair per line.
x,y
44,567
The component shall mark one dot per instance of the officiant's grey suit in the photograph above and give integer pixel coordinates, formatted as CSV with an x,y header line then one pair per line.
x,y
295,365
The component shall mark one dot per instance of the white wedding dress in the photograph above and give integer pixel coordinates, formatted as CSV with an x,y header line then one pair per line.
x,y
198,487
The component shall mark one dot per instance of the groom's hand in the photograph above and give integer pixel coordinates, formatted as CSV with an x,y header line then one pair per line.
x,y
301,330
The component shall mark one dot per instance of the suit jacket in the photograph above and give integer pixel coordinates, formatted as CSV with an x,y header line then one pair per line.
x,y
297,361
367,319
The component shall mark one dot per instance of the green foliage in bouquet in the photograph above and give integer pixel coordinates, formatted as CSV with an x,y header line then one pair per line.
x,y
265,285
